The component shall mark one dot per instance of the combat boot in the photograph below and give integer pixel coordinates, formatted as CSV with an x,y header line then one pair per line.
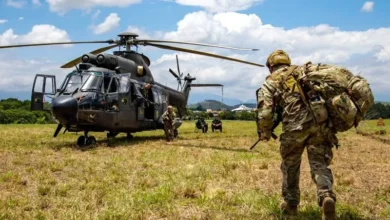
x,y
328,209
288,210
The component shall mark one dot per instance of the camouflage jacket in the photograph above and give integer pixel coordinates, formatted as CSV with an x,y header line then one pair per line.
x,y
279,90
168,116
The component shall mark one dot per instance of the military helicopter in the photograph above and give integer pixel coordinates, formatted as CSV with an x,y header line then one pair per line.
x,y
115,93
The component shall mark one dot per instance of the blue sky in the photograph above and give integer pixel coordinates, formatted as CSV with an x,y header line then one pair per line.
x,y
158,18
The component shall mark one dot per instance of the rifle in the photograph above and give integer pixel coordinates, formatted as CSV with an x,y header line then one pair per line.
x,y
275,124
273,135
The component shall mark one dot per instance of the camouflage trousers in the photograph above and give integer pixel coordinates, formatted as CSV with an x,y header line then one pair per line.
x,y
319,150
168,129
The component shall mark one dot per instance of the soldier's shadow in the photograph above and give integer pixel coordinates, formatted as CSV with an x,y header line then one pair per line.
x,y
314,213
211,147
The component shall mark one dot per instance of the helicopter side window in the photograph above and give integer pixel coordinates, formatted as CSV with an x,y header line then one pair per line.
x,y
113,86
124,84
106,83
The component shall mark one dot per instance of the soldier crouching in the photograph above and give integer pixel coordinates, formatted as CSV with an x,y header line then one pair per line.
x,y
168,119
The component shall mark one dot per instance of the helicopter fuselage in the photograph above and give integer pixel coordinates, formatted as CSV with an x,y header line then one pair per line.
x,y
97,98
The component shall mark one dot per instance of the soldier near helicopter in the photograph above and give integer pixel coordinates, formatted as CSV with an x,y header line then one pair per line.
x,y
168,119
142,95
145,90
299,131
315,102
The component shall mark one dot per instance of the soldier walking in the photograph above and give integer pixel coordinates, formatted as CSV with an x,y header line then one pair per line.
x,y
300,130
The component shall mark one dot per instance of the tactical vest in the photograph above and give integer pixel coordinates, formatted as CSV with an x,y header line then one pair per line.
x,y
332,93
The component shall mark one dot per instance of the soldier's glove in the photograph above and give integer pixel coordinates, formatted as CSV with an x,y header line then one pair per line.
x,y
264,135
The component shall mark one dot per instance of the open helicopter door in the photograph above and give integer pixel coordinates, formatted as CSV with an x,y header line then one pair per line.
x,y
124,103
158,108
43,88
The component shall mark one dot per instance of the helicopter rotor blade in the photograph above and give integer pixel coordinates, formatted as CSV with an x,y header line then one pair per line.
x,y
201,53
192,43
205,85
178,68
174,74
77,60
57,43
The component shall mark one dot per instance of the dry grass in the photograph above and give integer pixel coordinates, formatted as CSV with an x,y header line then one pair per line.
x,y
199,176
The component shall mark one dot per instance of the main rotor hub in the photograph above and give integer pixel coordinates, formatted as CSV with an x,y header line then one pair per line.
x,y
126,36
126,39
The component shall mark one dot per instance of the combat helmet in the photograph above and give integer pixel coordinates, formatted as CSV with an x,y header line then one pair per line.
x,y
278,57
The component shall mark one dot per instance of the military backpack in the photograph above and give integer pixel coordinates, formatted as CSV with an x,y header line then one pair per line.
x,y
334,94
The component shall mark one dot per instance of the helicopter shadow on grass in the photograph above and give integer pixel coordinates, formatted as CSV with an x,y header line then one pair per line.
x,y
109,142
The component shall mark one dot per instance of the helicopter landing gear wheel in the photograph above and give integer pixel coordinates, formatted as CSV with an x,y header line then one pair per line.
x,y
175,133
84,140
91,140
129,137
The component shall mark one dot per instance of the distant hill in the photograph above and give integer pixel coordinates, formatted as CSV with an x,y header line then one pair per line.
x,y
215,105
210,104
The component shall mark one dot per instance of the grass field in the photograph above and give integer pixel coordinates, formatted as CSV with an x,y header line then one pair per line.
x,y
199,176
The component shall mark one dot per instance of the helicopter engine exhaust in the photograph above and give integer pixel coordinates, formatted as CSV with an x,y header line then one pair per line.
x,y
107,61
89,58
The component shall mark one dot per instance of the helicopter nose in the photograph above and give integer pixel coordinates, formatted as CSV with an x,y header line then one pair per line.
x,y
64,109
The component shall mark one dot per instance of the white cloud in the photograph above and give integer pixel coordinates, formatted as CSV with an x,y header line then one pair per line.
x,y
43,33
62,6
16,3
110,23
17,75
367,7
36,2
220,5
3,21
21,18
366,52
357,50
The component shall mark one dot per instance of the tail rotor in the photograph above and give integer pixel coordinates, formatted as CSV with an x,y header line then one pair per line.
x,y
178,75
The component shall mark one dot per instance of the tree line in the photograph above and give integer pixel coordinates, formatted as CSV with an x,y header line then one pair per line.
x,y
378,110
14,111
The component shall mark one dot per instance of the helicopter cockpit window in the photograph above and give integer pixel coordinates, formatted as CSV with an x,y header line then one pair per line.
x,y
92,83
72,82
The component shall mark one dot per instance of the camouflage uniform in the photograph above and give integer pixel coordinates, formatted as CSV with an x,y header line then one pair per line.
x,y
168,118
145,90
299,131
